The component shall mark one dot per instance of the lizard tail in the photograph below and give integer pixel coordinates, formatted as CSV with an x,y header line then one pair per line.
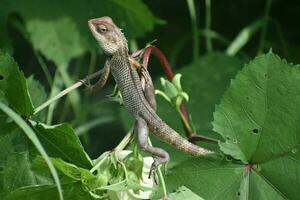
x,y
169,135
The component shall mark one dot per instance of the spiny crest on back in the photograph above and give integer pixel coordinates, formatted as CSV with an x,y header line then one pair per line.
x,y
109,36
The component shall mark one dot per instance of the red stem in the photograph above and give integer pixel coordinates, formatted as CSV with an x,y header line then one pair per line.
x,y
162,58
169,73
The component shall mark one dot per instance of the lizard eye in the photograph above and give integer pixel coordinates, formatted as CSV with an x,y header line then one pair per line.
x,y
101,29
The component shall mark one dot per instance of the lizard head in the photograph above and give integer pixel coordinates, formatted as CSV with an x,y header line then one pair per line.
x,y
108,35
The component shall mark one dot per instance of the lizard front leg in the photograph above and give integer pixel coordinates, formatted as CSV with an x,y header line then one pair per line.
x,y
102,80
161,156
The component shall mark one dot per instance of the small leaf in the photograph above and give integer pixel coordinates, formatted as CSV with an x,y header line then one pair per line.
x,y
176,81
170,90
85,176
38,96
161,93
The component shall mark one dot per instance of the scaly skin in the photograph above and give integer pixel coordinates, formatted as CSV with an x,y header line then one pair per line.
x,y
114,44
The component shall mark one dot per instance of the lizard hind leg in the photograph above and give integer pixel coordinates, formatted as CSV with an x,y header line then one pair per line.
x,y
160,155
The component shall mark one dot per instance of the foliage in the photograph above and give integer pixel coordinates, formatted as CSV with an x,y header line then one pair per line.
x,y
61,151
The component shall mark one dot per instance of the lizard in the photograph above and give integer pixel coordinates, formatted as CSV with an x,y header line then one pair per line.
x,y
137,93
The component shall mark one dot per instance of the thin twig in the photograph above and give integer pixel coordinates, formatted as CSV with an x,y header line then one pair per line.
x,y
67,90
208,25
192,11
265,27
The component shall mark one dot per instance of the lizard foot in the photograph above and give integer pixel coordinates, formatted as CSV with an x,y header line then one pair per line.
x,y
156,163
87,83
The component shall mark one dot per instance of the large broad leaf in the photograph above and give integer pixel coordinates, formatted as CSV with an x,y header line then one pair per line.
x,y
217,179
60,141
59,28
209,178
56,39
14,87
259,119
16,153
259,114
17,172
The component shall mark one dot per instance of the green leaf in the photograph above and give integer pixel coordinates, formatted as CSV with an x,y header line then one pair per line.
x,y
258,115
48,192
59,40
177,81
38,96
85,176
184,193
16,153
258,118
32,136
17,172
61,141
14,86
169,88
207,177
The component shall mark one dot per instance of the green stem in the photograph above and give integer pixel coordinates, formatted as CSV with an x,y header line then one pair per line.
x,y
192,11
208,25
104,156
92,124
185,122
161,178
265,27
125,140
56,86
44,67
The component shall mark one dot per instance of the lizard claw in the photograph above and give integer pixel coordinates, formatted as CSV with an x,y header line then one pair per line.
x,y
87,83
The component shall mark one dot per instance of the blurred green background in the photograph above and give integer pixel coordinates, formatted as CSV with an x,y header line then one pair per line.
x,y
207,41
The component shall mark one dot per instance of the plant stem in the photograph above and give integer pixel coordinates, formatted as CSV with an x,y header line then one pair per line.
x,y
161,178
125,140
208,25
192,11
92,124
44,67
265,27
100,162
186,122
55,87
